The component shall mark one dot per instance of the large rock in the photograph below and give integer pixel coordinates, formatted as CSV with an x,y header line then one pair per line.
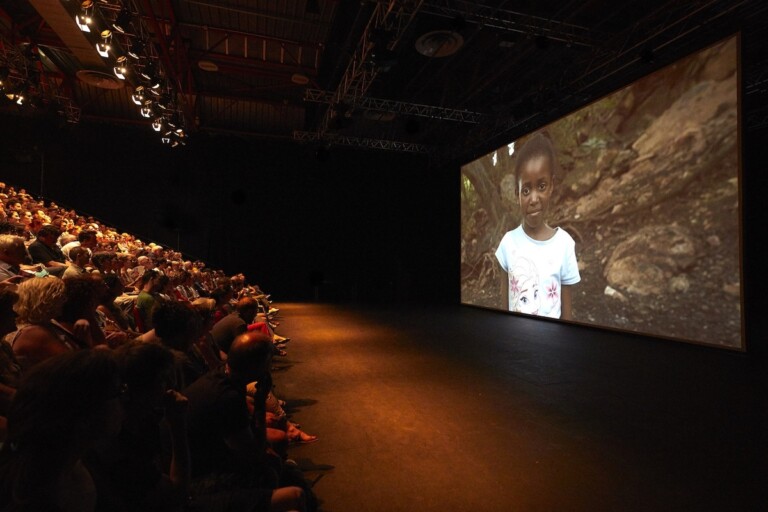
x,y
653,261
694,134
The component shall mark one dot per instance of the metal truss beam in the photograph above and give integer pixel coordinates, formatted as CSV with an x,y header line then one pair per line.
x,y
359,75
29,74
359,142
512,21
398,107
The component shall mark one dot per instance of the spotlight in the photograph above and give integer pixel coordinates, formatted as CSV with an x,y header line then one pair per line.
x,y
122,20
148,71
146,109
20,99
138,95
157,124
120,69
166,140
136,50
175,120
103,47
164,102
84,19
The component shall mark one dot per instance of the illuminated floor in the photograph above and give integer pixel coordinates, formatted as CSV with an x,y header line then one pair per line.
x,y
464,409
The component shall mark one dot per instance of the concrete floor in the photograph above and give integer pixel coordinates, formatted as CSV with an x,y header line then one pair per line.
x,y
456,408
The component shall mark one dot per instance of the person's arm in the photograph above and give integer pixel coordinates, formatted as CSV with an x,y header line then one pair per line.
x,y
173,489
504,287
37,344
566,312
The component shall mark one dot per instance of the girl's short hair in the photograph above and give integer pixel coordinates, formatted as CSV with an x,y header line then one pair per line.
x,y
537,146
40,299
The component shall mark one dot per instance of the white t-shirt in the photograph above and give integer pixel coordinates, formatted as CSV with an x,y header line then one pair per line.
x,y
536,270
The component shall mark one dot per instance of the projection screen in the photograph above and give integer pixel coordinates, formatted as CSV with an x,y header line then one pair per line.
x,y
646,183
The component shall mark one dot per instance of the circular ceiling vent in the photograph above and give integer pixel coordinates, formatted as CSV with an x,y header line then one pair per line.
x,y
208,65
99,79
439,43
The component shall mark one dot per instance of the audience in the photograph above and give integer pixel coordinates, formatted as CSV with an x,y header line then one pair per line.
x,y
63,408
72,347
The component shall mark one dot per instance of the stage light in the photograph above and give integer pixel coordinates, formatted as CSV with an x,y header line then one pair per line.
x,y
4,73
138,95
120,69
103,47
84,19
148,70
146,109
123,20
137,49
157,124
164,102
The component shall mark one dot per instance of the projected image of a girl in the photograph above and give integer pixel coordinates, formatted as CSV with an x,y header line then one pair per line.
x,y
524,287
539,260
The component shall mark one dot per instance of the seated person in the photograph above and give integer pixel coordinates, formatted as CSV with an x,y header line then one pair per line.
x,y
45,251
176,326
38,337
64,406
227,443
80,259
127,471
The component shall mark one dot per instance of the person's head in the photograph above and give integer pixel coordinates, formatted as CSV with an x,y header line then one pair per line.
x,y
80,256
63,406
247,309
48,234
144,261
176,324
148,280
12,250
8,298
162,283
206,309
250,357
114,285
40,300
87,238
80,298
103,261
524,287
147,369
221,295
535,169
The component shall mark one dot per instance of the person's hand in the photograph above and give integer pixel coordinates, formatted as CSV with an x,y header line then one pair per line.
x,y
176,406
11,282
82,331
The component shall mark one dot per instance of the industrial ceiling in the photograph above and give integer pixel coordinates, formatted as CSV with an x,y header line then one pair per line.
x,y
445,77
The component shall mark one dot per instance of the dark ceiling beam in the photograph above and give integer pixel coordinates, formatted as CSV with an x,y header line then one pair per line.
x,y
254,35
258,14
254,66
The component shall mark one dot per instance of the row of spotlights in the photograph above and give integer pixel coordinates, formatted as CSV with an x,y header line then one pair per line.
x,y
174,134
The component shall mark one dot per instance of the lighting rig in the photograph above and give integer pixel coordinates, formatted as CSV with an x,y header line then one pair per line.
x,y
118,33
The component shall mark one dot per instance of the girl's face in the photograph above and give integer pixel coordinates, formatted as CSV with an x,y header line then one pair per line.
x,y
534,192
528,300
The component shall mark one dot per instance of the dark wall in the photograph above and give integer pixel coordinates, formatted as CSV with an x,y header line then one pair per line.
x,y
341,224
